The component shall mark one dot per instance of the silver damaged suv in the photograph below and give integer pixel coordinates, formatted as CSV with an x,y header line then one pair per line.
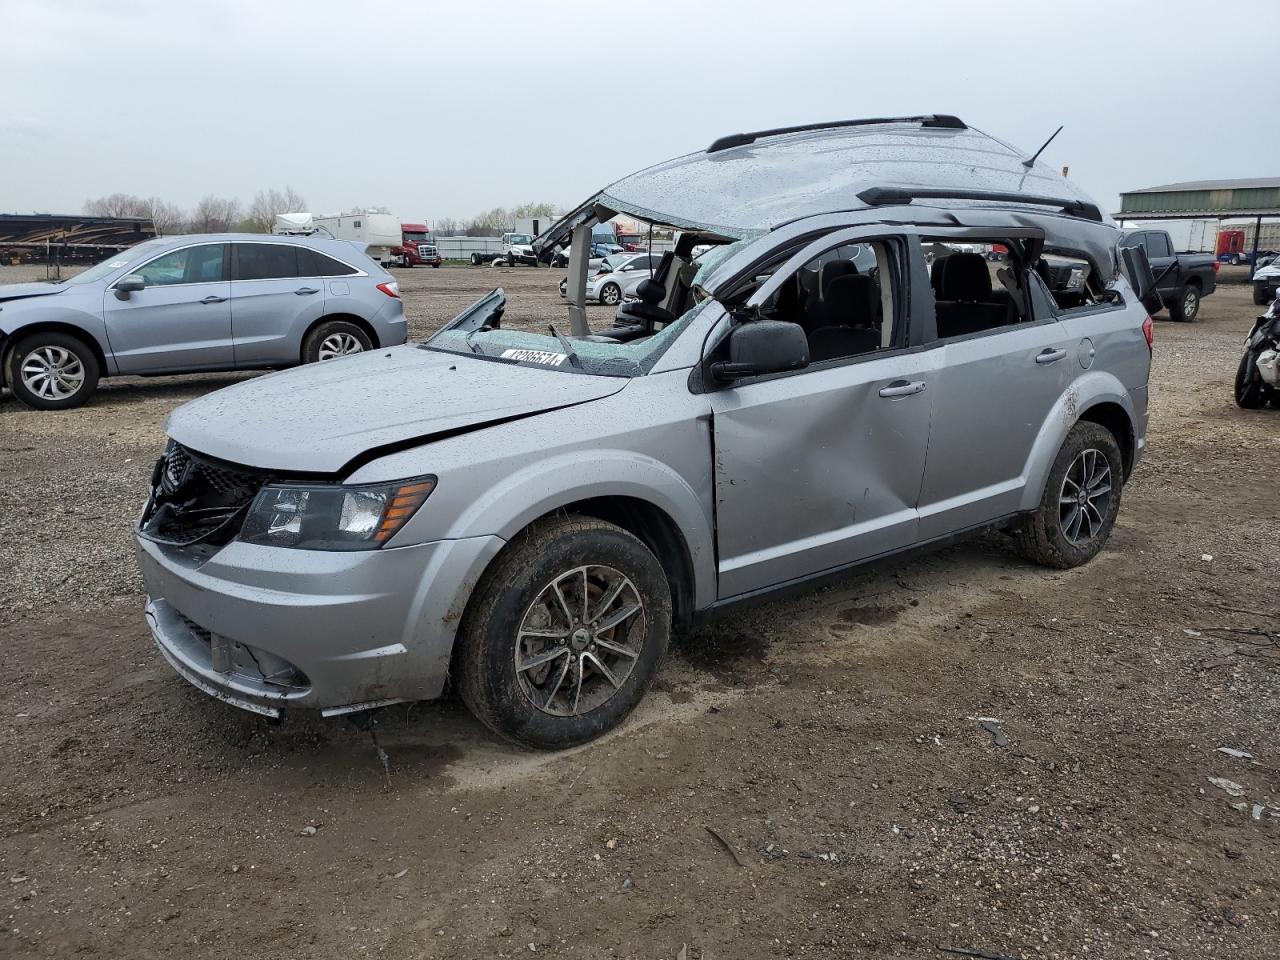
x,y
872,335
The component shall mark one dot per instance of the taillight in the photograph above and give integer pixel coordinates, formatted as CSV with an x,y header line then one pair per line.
x,y
1149,331
1217,265
391,288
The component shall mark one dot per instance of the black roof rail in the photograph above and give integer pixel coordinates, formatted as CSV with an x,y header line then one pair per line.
x,y
882,196
943,120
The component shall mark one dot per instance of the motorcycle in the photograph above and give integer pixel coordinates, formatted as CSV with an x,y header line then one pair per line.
x,y
1258,376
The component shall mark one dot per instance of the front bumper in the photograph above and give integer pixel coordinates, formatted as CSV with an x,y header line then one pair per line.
x,y
265,628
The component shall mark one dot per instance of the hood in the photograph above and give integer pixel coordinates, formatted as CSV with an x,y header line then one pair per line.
x,y
1268,272
20,291
321,417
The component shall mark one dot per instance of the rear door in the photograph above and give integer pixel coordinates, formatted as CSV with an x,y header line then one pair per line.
x,y
181,320
274,298
995,388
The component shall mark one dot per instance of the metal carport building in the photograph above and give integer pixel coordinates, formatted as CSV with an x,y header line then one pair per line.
x,y
1201,199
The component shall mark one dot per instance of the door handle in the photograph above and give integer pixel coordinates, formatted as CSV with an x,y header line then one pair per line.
x,y
1050,355
304,291
902,388
214,300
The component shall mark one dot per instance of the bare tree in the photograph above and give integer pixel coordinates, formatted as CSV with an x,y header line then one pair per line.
x,y
214,215
447,227
268,204
116,205
168,217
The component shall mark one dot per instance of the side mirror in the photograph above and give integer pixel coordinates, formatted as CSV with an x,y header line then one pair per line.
x,y
760,347
1137,270
130,284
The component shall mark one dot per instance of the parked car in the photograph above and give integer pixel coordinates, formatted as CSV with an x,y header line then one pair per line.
x,y
1184,279
195,303
617,276
530,515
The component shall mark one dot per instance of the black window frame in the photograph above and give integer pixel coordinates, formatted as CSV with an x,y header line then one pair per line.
x,y
237,249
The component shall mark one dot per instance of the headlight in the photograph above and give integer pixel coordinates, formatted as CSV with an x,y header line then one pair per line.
x,y
333,517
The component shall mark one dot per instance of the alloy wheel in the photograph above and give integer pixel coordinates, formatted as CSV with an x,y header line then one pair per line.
x,y
1190,304
1085,497
579,640
339,345
52,373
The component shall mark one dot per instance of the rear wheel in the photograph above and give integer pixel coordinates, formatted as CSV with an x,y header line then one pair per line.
x,y
564,634
610,293
52,371
332,339
1080,501
1250,390
475,259
1186,305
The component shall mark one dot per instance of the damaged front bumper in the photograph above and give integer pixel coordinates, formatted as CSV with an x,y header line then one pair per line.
x,y
265,628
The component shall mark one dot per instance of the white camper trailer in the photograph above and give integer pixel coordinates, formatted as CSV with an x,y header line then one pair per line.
x,y
378,232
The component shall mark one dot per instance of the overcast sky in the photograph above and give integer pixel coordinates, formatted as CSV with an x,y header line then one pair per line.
x,y
438,110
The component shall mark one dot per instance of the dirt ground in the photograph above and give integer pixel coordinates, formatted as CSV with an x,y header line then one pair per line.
x,y
809,779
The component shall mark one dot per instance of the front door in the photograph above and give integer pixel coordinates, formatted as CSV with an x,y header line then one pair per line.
x,y
180,321
820,468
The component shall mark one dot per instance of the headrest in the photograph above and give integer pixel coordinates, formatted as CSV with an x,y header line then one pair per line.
x,y
850,301
833,269
965,277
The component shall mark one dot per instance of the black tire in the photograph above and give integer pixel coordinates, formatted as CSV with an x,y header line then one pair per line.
x,y
484,661
610,294
1186,306
1235,259
74,358
1260,293
475,259
1042,537
511,259
435,266
311,346
1251,391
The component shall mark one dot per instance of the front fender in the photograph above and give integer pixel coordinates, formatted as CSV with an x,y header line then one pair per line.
x,y
19,315
1089,390
519,498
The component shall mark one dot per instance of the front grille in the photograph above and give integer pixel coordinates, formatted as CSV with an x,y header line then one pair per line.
x,y
195,499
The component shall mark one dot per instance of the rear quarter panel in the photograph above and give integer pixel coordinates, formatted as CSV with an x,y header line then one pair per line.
x,y
1117,373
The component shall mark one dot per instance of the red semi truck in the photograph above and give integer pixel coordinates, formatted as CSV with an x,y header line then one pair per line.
x,y
417,247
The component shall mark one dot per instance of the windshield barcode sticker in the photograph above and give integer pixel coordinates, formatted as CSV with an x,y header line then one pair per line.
x,y
536,356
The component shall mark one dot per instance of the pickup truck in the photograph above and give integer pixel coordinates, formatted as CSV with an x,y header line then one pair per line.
x,y
1182,279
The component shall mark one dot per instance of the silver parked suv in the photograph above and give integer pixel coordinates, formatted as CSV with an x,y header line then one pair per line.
x,y
195,303
531,514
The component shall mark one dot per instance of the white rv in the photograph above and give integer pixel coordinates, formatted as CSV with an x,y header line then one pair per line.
x,y
378,232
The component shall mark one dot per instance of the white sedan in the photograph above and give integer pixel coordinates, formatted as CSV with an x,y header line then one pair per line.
x,y
617,276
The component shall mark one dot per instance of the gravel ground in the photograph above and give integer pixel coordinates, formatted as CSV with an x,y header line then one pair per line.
x,y
831,740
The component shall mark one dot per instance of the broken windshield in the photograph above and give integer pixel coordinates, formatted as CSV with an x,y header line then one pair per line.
x,y
601,354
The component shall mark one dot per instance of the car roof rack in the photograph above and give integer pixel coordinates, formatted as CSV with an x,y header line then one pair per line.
x,y
943,120
883,196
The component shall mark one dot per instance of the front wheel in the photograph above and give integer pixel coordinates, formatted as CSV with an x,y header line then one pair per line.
x,y
1080,501
333,339
1235,260
610,294
1260,293
52,371
1250,390
564,633
1186,305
